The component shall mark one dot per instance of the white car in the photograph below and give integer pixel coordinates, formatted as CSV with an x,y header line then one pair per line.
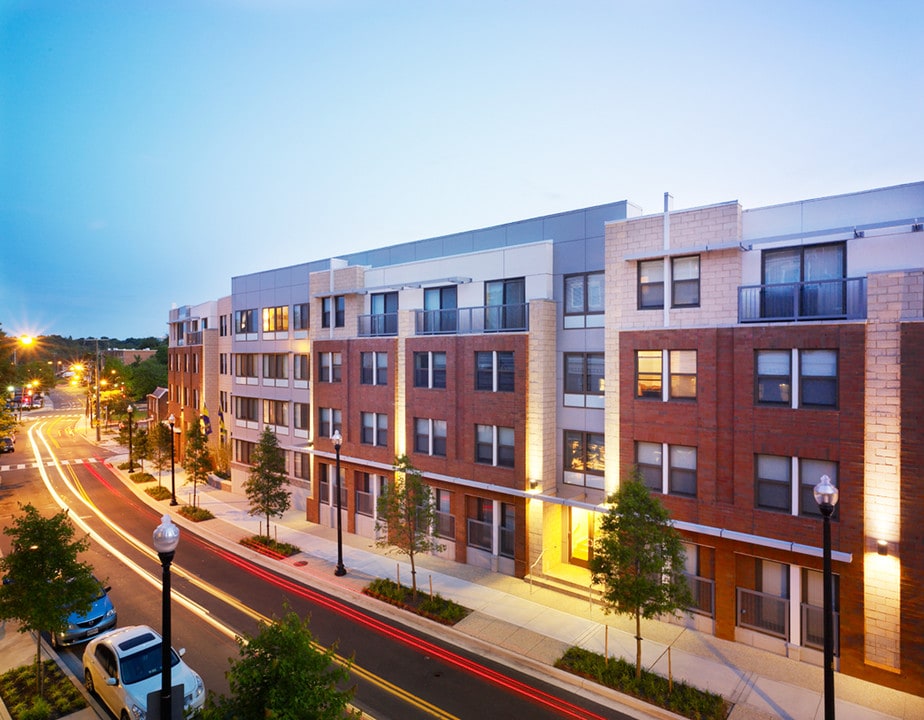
x,y
123,666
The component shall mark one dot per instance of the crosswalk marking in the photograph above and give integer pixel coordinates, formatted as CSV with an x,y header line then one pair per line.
x,y
32,465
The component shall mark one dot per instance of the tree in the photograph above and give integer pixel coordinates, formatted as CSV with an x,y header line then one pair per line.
x,y
406,515
265,486
161,440
8,421
197,461
141,445
283,674
639,559
44,582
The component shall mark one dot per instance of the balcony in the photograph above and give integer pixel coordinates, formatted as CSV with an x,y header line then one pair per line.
x,y
378,325
473,320
765,613
843,299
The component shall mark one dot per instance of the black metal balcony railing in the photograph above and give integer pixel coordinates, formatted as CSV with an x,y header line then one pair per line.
x,y
763,612
843,299
473,320
813,628
703,590
378,325
480,534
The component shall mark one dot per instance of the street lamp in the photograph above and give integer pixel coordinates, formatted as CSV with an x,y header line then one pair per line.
x,y
337,438
166,538
826,497
130,410
170,421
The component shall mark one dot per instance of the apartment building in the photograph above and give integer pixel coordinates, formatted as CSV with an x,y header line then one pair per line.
x,y
748,352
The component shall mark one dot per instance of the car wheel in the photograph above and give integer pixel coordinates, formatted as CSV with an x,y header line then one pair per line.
x,y
88,681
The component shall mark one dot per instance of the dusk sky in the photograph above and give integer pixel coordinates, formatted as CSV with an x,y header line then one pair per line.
x,y
150,151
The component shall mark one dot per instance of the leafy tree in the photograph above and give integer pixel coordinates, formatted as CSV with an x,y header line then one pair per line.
x,y
639,559
141,445
161,446
283,674
265,486
8,421
197,461
407,516
43,579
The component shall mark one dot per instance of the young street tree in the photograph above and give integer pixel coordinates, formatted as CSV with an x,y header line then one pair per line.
x,y
265,486
161,440
283,674
141,447
43,579
196,460
639,559
407,516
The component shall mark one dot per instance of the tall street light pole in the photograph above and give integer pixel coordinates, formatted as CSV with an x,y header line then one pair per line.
x,y
340,571
171,420
131,467
166,538
97,390
826,496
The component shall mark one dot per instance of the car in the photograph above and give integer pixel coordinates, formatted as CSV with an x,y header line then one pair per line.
x,y
6,445
123,666
81,626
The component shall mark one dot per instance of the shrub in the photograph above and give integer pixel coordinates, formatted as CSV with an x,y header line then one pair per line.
x,y
140,477
436,607
196,514
158,492
269,546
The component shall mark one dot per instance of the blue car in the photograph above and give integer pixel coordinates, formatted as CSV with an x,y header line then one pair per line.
x,y
100,617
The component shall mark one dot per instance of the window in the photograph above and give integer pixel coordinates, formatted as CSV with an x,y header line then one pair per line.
x,y
374,429
246,408
302,414
480,523
328,421
430,436
330,367
365,493
245,365
818,378
507,530
445,520
494,371
505,304
301,465
374,368
430,369
300,316
276,412
301,368
651,285
584,294
774,382
584,373
682,477
276,319
648,374
243,450
222,363
682,365
384,318
223,325
325,472
810,472
649,459
336,306
440,312
494,445
685,281
805,281
245,321
584,456
773,483
274,366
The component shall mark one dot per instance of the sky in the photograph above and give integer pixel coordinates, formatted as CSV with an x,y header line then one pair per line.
x,y
151,151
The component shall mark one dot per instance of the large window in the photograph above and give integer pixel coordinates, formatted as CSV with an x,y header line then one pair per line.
x,y
302,413
242,451
301,368
430,369
300,316
584,294
682,478
774,378
505,304
274,366
440,311
384,320
445,520
494,371
818,378
329,419
685,281
246,408
480,517
494,445
330,367
649,459
374,429
333,311
804,281
651,285
648,374
276,412
301,465
245,365
374,368
810,474
584,458
682,368
430,436
584,373
245,321
276,319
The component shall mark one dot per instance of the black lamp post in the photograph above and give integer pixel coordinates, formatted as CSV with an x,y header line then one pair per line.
x,y
131,467
170,421
826,497
166,538
338,441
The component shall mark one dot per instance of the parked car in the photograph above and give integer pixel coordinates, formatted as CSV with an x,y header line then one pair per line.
x,y
123,666
100,617
6,445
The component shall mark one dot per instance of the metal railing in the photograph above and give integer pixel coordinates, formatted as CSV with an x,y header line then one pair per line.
x,y
703,590
813,627
445,525
763,612
473,320
377,325
843,299
480,535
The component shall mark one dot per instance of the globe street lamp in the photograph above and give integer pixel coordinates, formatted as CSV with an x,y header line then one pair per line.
x,y
166,538
826,497
170,421
130,410
340,571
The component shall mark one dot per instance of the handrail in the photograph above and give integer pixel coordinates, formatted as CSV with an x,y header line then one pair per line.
x,y
538,559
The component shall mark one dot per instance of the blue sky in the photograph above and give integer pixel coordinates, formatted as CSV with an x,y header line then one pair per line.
x,y
149,151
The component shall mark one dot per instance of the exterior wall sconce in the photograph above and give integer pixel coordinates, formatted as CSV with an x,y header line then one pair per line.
x,y
882,547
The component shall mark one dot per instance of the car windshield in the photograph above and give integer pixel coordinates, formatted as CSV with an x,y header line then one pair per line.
x,y
144,664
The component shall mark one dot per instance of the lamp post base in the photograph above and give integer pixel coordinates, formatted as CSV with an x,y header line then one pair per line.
x,y
340,571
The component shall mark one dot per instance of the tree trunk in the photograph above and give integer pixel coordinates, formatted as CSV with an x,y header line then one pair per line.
x,y
38,664
638,645
413,576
